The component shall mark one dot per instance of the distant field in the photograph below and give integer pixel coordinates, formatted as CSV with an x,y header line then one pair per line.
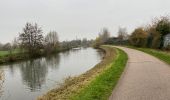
x,y
4,53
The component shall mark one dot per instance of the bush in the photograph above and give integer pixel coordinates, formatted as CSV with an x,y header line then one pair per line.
x,y
138,38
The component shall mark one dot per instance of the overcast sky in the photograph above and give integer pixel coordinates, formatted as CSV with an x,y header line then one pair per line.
x,y
77,18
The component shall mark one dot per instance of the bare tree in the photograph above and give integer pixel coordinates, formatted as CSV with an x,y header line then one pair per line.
x,y
32,39
85,42
7,46
14,43
102,38
104,35
52,38
122,34
51,42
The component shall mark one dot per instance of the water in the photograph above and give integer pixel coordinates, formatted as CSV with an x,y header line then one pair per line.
x,y
29,79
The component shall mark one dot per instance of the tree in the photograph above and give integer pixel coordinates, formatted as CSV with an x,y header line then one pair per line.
x,y
102,38
51,41
163,27
32,39
104,35
14,43
153,39
122,34
97,42
85,42
138,37
7,47
65,45
52,38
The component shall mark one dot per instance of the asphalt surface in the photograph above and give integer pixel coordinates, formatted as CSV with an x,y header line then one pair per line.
x,y
144,78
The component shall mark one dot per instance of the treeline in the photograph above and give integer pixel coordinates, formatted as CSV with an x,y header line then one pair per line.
x,y
66,45
32,42
152,35
102,39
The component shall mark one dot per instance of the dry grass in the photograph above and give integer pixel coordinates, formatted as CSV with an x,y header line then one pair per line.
x,y
73,85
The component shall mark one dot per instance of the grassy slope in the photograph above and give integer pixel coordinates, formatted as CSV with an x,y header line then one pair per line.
x,y
164,56
101,88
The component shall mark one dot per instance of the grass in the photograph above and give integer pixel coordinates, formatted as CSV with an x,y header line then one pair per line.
x,y
5,53
162,55
9,57
101,88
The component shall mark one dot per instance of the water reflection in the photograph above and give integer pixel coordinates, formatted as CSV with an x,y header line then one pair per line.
x,y
34,73
2,78
53,61
11,68
65,53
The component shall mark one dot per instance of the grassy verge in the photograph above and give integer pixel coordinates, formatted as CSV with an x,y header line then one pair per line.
x,y
162,55
101,88
95,84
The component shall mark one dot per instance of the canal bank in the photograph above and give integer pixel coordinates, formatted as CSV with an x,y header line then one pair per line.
x,y
96,83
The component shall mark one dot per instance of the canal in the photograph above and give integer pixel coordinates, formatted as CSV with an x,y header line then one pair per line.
x,y
29,79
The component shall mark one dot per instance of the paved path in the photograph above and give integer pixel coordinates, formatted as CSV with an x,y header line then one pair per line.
x,y
145,78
